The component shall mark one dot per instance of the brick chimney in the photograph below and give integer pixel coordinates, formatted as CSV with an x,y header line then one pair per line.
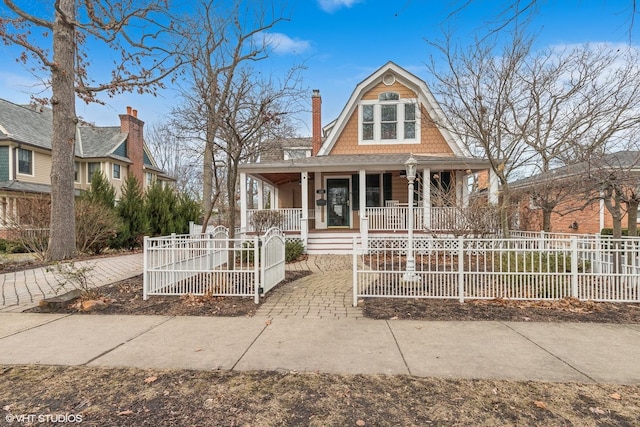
x,y
316,110
133,127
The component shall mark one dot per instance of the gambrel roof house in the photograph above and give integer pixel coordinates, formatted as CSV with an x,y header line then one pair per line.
x,y
25,154
352,180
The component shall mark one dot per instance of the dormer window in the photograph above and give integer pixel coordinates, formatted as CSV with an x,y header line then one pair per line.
x,y
296,153
389,120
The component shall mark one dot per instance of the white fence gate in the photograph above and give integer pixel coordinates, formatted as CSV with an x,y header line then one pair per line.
x,y
212,264
600,269
272,259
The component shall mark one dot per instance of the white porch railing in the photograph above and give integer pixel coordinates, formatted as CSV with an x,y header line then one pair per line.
x,y
290,219
436,219
522,268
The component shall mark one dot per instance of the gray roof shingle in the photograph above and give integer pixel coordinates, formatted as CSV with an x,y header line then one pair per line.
x,y
33,125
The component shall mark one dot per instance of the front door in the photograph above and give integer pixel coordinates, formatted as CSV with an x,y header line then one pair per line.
x,y
338,213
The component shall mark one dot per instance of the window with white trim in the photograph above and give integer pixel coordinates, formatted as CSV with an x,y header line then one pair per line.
x,y
116,171
389,120
25,161
92,167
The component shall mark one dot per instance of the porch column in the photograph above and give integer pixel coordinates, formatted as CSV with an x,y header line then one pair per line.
x,y
304,221
272,197
362,205
426,198
260,194
317,185
459,187
362,189
243,202
493,187
465,190
276,198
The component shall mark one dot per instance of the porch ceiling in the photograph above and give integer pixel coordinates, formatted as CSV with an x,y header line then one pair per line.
x,y
352,163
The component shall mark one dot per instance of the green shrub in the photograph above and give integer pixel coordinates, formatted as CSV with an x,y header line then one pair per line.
x,y
609,232
133,220
247,255
12,247
293,249
536,262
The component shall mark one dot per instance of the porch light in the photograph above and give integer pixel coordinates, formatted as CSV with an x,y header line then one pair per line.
x,y
411,166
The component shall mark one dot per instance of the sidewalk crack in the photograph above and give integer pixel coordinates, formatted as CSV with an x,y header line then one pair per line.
x,y
406,365
550,353
266,325
127,341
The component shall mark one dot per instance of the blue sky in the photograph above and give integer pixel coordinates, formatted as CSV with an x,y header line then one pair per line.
x,y
343,41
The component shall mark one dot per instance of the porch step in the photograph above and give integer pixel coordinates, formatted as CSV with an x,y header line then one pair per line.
x,y
330,243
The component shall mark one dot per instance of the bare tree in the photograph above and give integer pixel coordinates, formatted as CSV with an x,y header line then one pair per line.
x,y
616,179
480,97
177,154
582,101
255,115
224,43
60,37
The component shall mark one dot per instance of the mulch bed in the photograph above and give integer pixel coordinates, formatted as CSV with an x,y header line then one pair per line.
x,y
564,310
125,297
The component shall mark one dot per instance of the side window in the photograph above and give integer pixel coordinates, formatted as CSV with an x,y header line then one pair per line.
x,y
92,168
116,171
25,161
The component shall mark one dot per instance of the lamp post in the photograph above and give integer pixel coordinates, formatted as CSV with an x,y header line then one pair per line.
x,y
411,166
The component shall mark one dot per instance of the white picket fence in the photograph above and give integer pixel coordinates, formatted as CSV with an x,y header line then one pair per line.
x,y
212,264
598,269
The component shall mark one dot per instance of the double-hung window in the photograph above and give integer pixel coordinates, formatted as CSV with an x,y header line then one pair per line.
x,y
116,171
389,120
25,161
92,167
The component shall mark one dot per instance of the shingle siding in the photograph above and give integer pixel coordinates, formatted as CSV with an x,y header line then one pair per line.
x,y
4,163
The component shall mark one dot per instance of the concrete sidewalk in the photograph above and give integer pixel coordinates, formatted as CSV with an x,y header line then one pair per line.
x,y
556,352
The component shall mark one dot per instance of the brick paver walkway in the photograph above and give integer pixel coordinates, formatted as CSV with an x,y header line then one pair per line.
x,y
24,289
326,293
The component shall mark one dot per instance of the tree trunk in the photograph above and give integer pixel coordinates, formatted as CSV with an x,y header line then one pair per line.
x,y
505,206
62,234
207,184
632,216
546,219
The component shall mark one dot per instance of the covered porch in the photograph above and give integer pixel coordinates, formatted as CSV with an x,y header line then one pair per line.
x,y
366,194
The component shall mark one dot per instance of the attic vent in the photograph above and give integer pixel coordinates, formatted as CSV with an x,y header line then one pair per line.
x,y
388,79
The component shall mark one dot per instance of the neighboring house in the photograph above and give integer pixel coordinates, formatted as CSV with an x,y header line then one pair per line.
x,y
580,206
25,155
350,179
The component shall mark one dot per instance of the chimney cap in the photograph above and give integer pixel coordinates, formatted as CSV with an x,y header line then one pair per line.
x,y
316,92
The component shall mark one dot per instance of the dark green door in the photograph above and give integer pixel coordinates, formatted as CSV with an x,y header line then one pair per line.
x,y
338,212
